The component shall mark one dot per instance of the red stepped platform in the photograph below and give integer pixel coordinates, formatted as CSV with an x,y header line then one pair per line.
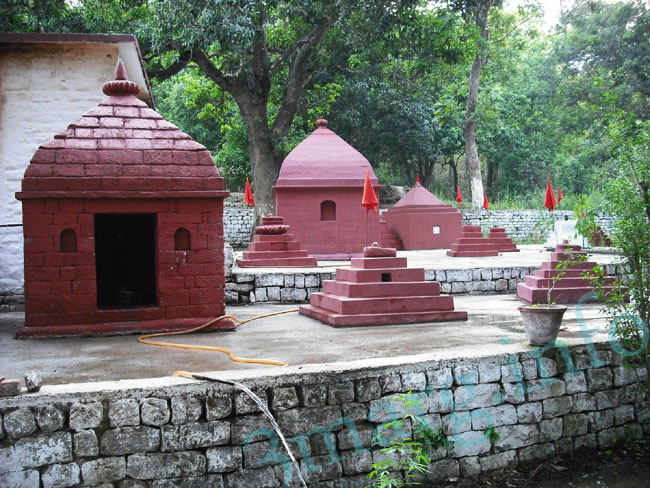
x,y
379,289
472,244
569,289
503,243
272,247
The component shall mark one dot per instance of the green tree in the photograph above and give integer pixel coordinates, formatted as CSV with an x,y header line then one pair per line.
x,y
244,47
626,197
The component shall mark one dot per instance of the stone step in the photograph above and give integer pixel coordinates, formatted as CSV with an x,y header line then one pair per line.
x,y
571,273
274,246
470,254
343,320
403,304
559,295
565,282
301,262
469,241
379,275
378,263
580,266
273,254
369,290
273,237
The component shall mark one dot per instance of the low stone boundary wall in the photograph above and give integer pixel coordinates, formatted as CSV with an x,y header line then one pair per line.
x,y
166,434
520,225
523,225
245,288
12,300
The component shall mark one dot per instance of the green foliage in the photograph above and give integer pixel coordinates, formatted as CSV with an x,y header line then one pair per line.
x,y
405,458
196,105
542,228
491,434
626,197
392,81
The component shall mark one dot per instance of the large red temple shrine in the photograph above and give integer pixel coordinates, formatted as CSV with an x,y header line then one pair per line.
x,y
123,225
423,221
318,193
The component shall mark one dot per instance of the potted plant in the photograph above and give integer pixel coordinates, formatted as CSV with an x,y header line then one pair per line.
x,y
542,320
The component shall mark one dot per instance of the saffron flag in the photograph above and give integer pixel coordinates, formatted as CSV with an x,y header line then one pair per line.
x,y
559,194
486,204
248,195
549,198
459,197
417,178
369,199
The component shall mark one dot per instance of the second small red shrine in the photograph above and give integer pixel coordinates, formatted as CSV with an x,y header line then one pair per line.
x,y
319,193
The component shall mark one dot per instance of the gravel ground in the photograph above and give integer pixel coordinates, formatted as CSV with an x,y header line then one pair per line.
x,y
627,465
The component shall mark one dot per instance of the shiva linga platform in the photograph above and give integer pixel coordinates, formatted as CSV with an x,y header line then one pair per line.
x,y
472,244
500,239
273,246
380,289
573,284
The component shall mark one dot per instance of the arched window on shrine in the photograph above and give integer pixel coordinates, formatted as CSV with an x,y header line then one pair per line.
x,y
68,241
182,240
328,210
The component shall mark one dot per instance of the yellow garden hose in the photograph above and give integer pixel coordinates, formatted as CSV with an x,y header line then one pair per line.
x,y
145,339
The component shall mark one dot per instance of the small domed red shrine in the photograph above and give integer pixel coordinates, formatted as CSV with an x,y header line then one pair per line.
x,y
319,192
423,221
123,225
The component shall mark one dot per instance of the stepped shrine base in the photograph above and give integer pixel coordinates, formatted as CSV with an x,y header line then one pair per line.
x,y
500,239
380,289
272,247
573,287
472,244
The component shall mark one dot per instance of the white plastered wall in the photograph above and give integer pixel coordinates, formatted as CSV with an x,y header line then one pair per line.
x,y
43,88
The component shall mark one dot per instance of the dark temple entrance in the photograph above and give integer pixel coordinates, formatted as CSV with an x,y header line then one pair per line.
x,y
125,260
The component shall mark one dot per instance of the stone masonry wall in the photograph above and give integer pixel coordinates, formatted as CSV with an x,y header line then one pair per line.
x,y
238,225
523,225
244,288
190,434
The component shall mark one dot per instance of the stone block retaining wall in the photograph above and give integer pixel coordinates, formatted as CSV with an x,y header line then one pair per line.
x,y
523,225
212,435
244,288
238,225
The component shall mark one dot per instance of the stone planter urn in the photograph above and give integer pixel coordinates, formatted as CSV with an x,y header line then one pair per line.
x,y
542,322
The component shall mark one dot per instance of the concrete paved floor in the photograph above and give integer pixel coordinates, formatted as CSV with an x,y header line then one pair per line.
x,y
530,256
493,323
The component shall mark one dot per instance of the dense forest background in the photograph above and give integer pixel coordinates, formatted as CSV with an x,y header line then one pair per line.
x,y
248,79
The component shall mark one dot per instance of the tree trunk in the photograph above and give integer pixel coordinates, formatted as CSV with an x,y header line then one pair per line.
x,y
454,173
264,167
469,130
480,15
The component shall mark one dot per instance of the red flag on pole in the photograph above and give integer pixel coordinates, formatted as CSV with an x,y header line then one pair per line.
x,y
549,198
248,195
369,199
559,194
459,197
417,178
486,204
